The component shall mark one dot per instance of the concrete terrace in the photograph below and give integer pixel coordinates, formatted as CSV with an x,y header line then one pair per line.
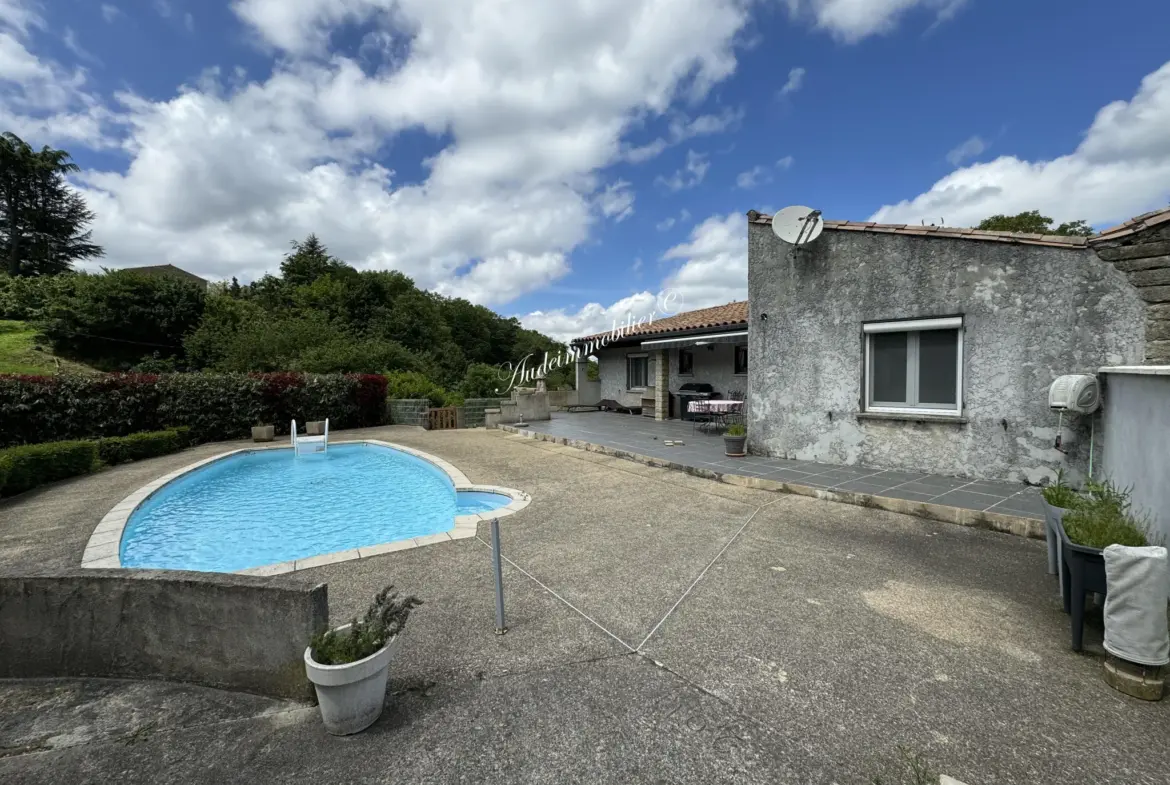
x,y
664,628
645,436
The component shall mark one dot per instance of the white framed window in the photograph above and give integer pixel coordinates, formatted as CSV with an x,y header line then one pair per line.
x,y
637,371
914,366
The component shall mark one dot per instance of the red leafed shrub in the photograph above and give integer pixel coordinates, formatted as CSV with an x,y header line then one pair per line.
x,y
371,398
36,409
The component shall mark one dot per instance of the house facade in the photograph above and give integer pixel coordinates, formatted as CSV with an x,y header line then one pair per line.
x,y
932,349
645,367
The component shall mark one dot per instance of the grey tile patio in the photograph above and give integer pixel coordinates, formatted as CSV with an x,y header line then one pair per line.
x,y
644,436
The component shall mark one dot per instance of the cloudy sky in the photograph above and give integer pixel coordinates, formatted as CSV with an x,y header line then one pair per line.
x,y
565,162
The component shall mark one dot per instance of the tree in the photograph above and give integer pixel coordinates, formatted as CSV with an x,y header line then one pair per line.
x,y
113,320
42,219
309,261
1032,222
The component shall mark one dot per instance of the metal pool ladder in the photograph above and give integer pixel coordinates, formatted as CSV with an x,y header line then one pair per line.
x,y
307,445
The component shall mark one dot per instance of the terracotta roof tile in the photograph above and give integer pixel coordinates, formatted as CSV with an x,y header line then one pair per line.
x,y
953,232
730,315
1133,225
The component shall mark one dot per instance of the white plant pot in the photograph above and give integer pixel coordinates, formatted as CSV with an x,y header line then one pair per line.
x,y
351,695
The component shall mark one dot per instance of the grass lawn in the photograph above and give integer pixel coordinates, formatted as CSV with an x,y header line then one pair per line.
x,y
20,354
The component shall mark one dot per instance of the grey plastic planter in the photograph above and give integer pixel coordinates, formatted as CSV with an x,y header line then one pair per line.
x,y
263,433
1053,523
734,445
315,428
1084,572
351,696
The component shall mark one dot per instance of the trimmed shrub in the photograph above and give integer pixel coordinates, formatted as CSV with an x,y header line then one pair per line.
x,y
119,449
30,465
36,409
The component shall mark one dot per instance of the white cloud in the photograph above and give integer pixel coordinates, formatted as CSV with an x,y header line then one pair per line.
x,y
532,99
682,128
592,318
189,22
74,46
40,100
853,20
669,222
1120,169
110,12
713,271
751,178
795,80
617,201
968,149
785,163
690,175
714,263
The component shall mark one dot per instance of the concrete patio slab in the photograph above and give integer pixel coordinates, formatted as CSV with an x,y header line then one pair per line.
x,y
794,641
876,629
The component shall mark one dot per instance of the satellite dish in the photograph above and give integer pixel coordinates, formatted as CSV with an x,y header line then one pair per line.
x,y
798,225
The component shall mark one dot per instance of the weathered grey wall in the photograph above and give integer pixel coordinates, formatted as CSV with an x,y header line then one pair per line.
x,y
1031,313
1144,257
1136,448
407,411
231,631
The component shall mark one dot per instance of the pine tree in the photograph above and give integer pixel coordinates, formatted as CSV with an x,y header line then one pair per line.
x,y
42,219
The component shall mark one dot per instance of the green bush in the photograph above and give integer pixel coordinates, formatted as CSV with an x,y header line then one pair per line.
x,y
482,381
30,465
136,446
1101,518
1060,495
414,385
384,619
38,409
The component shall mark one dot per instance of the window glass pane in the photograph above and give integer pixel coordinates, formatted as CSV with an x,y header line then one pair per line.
x,y
888,352
741,359
686,361
937,366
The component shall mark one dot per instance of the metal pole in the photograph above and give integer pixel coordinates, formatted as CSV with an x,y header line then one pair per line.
x,y
500,628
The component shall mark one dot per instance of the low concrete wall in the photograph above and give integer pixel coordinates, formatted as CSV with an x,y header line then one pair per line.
x,y
407,411
230,631
1135,449
561,399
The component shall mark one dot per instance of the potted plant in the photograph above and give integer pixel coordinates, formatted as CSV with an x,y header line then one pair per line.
x,y
734,439
349,665
1058,499
1099,519
263,433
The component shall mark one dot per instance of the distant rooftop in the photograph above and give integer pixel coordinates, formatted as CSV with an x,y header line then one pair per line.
x,y
729,315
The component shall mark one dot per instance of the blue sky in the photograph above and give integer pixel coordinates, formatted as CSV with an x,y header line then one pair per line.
x,y
567,162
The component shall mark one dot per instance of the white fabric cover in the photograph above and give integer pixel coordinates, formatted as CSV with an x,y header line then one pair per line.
x,y
1138,581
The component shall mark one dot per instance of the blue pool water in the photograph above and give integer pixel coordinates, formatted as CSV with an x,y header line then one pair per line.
x,y
269,506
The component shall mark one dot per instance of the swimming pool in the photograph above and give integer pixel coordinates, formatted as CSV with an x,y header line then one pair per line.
x,y
262,507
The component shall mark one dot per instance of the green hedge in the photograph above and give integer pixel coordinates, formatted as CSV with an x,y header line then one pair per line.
x,y
39,409
136,446
30,465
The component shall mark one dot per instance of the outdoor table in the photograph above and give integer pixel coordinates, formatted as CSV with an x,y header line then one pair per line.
x,y
718,407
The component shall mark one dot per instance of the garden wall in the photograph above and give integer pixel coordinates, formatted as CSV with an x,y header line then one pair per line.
x,y
407,411
471,412
229,631
37,409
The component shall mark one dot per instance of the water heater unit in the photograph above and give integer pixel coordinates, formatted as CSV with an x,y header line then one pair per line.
x,y
1077,393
